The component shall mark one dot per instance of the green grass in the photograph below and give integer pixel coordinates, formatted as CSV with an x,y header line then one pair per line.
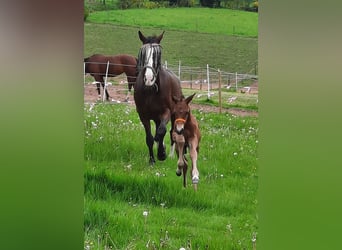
x,y
227,53
202,20
120,185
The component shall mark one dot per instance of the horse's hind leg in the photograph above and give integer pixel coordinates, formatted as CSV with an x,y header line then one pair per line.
x,y
99,81
131,81
105,89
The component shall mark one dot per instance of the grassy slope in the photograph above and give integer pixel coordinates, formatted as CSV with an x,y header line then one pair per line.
x,y
119,185
202,20
194,46
228,53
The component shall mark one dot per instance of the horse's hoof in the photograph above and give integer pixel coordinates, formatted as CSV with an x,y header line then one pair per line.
x,y
162,156
195,180
152,161
178,172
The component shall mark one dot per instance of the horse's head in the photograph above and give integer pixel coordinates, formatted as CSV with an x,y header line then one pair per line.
x,y
149,58
181,112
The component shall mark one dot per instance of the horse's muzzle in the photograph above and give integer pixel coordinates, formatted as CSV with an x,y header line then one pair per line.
x,y
179,131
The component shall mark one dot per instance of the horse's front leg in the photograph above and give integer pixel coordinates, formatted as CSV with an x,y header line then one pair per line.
x,y
149,140
193,144
159,138
160,134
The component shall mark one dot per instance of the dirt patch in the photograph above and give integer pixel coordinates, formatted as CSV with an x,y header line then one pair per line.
x,y
118,93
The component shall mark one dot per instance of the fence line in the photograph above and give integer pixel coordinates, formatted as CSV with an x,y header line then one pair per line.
x,y
210,77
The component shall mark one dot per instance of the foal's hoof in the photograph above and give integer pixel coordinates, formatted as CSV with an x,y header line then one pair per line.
x,y
195,180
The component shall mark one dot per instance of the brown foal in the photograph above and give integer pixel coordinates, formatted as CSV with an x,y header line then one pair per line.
x,y
185,134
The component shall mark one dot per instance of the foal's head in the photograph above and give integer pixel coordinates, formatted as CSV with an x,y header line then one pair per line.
x,y
181,112
149,58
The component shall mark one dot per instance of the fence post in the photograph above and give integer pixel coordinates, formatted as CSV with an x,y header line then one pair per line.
x,y
190,78
220,99
165,64
228,80
236,82
208,81
179,69
201,80
84,73
105,83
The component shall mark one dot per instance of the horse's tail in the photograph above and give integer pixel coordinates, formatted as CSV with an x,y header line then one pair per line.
x,y
86,65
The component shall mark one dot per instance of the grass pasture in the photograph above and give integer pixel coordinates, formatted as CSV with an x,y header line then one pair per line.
x,y
193,46
131,205
202,20
120,185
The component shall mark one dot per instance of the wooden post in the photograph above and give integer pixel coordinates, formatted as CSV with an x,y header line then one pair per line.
x,y
105,83
190,78
220,99
179,70
236,81
201,81
208,81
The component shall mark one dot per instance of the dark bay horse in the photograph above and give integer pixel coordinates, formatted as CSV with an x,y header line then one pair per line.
x,y
153,91
96,66
186,134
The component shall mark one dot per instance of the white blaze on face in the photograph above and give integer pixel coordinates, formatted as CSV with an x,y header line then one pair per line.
x,y
179,126
149,77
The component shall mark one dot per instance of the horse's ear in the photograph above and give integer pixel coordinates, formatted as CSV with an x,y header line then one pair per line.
x,y
160,37
189,98
142,37
175,99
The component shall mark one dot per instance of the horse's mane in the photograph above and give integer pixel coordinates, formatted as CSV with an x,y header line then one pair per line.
x,y
142,54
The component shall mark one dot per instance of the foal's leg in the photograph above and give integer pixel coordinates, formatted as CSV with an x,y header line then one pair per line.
x,y
181,164
193,144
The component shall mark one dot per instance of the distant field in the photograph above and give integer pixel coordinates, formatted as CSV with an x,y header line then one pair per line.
x,y
228,53
202,20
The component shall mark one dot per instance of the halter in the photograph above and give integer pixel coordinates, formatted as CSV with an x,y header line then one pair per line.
x,y
142,62
180,120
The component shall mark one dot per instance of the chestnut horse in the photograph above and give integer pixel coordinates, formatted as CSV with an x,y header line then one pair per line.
x,y
96,66
186,134
153,91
